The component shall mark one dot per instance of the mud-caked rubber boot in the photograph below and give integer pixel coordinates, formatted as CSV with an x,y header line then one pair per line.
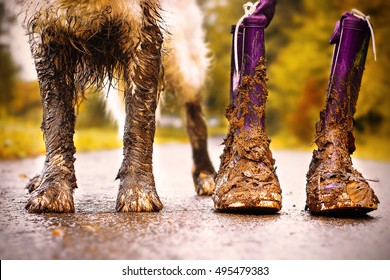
x,y
333,186
246,181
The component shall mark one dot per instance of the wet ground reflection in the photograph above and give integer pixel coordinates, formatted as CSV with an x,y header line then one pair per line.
x,y
188,227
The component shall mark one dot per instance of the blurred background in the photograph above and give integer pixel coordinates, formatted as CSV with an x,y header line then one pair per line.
x,y
298,61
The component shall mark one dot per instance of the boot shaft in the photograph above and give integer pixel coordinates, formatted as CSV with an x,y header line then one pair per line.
x,y
351,38
252,90
333,186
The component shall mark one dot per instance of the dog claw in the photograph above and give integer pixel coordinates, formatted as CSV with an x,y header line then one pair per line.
x,y
53,198
138,199
34,183
140,202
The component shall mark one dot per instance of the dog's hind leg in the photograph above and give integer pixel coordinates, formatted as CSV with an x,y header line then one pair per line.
x,y
203,171
137,192
58,180
186,63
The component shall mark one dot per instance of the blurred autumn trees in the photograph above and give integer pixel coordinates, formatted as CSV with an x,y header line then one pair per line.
x,y
298,61
8,69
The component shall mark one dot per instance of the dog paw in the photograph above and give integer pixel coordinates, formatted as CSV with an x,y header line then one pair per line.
x,y
204,183
51,198
34,183
138,198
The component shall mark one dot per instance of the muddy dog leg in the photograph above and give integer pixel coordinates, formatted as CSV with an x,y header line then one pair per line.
x,y
185,64
203,171
137,192
58,180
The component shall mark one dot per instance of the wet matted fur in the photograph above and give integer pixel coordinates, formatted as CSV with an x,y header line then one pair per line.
x,y
77,44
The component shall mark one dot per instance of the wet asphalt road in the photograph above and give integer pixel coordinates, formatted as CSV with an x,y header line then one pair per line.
x,y
187,227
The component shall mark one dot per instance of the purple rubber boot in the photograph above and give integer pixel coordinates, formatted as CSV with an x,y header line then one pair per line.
x,y
246,180
333,186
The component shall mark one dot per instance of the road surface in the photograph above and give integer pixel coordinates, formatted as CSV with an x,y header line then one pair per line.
x,y
187,228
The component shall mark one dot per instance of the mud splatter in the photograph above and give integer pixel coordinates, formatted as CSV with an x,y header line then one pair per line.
x,y
333,185
246,179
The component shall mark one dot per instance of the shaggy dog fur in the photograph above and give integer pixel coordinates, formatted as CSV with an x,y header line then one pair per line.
x,y
121,45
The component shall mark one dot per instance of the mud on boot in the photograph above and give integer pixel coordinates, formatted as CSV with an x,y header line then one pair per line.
x,y
333,185
247,180
346,193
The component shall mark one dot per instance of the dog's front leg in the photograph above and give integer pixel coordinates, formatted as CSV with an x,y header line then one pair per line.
x,y
137,192
58,180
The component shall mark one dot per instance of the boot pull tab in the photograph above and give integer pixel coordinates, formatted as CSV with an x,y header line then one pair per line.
x,y
263,10
335,38
249,8
362,16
